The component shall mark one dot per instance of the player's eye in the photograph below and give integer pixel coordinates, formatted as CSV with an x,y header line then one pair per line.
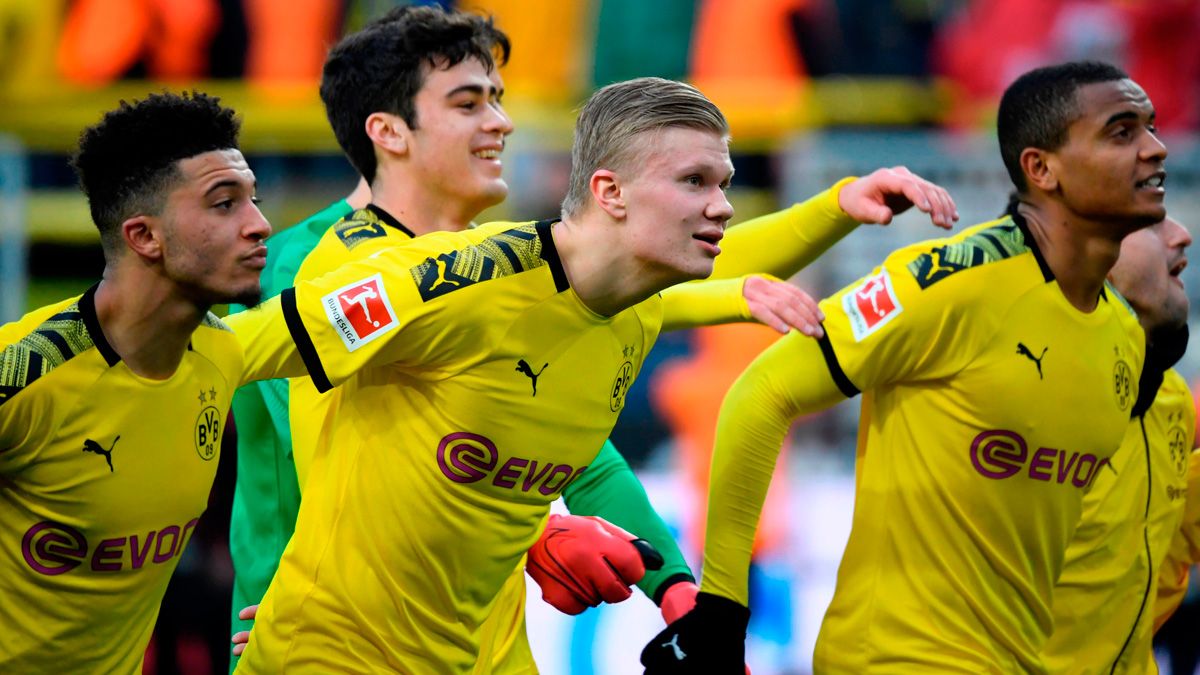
x,y
224,205
694,179
466,105
256,200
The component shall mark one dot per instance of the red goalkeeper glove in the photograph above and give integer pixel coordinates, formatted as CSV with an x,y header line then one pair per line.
x,y
581,561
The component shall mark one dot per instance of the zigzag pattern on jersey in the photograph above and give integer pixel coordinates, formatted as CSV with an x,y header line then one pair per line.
x,y
500,255
1002,240
53,343
362,225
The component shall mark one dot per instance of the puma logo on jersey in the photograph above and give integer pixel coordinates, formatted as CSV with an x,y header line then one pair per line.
x,y
673,643
524,367
441,279
1037,360
92,446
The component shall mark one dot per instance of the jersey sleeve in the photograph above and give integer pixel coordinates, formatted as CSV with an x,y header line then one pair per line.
x,y
785,242
1184,551
705,303
609,489
888,327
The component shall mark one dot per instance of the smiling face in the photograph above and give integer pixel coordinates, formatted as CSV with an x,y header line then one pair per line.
x,y
459,136
1110,169
213,232
676,203
1147,274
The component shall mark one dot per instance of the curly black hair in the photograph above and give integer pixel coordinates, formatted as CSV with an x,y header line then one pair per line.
x,y
128,161
1037,109
379,69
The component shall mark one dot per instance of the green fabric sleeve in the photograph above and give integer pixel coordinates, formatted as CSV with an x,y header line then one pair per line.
x,y
610,490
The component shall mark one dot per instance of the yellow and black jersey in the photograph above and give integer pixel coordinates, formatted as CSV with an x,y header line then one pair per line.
x,y
495,389
103,475
1103,602
355,237
973,454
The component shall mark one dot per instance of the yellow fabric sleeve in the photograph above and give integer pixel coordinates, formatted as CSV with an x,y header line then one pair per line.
x,y
788,379
1184,552
705,303
785,242
266,343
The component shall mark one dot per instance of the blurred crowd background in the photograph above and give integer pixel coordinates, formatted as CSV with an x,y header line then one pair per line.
x,y
814,90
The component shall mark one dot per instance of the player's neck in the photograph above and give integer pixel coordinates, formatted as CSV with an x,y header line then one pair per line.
x,y
419,209
146,321
599,269
1080,254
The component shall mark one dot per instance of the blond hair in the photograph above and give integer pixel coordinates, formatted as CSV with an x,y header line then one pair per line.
x,y
607,131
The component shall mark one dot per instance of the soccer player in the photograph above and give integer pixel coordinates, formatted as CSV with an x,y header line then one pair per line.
x,y
1105,611
112,403
428,513
999,372
449,103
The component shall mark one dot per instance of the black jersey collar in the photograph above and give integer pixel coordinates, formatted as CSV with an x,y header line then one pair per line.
x,y
389,220
1047,273
87,310
550,254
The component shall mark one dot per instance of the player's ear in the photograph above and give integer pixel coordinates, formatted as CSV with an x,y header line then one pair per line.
x,y
607,192
1039,168
143,235
388,132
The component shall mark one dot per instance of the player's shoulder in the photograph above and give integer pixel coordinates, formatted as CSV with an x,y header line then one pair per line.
x,y
216,341
44,340
966,257
367,224
1175,393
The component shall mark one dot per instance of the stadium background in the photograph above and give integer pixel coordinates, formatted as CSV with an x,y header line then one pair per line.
x,y
814,90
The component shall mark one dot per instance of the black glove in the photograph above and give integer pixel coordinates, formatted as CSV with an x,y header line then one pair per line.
x,y
710,639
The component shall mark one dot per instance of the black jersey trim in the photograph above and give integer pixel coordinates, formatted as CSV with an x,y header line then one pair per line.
x,y
550,254
389,220
835,369
304,343
1047,273
87,311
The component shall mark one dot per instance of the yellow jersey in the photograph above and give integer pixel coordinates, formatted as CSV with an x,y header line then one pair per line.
x,y
973,457
502,386
103,477
1104,600
1184,551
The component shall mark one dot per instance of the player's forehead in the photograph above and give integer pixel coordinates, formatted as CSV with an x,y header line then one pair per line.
x,y
1100,103
201,173
470,75
685,148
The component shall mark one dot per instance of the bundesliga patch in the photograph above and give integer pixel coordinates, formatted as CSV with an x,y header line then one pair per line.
x,y
360,312
871,305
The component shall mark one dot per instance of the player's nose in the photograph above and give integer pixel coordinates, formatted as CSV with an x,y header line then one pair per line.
x,y
257,227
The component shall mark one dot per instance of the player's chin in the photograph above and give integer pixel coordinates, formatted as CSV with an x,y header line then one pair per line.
x,y
247,295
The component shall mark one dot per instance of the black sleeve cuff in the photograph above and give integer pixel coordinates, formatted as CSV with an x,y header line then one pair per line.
x,y
304,344
669,582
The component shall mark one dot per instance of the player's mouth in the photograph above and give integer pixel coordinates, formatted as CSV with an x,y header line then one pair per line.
x,y
1154,183
256,259
489,154
710,239
1177,269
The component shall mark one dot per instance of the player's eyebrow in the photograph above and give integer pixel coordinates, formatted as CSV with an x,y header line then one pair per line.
x,y
230,183
476,89
1126,115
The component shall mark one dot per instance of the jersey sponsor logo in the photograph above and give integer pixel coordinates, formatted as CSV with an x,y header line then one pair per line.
x,y
524,368
1028,353
871,305
466,458
92,446
52,548
1000,454
361,311
208,432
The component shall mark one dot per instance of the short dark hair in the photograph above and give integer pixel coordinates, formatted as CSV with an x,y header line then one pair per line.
x,y
378,69
1039,107
128,161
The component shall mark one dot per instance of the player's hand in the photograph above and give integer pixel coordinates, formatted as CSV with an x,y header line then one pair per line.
x,y
581,561
709,639
890,192
242,637
782,306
